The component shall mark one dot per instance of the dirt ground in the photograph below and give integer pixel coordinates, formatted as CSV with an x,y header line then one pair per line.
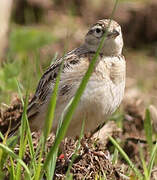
x,y
93,158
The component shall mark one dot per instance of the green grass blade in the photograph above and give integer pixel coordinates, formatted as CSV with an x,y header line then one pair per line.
x,y
49,121
75,152
11,142
30,141
70,177
47,129
24,135
145,169
152,159
19,92
115,156
54,58
39,168
51,167
125,156
70,112
14,156
1,152
1,136
62,116
22,139
52,106
148,130
12,169
31,147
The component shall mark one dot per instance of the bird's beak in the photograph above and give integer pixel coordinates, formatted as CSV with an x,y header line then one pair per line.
x,y
113,34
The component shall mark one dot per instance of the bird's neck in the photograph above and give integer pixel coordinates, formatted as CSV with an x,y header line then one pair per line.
x,y
105,51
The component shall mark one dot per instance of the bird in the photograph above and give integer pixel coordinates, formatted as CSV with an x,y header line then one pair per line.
x,y
105,88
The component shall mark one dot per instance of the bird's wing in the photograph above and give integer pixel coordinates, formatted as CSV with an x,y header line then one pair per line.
x,y
75,65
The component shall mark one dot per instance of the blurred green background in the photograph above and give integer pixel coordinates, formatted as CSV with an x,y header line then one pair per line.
x,y
33,32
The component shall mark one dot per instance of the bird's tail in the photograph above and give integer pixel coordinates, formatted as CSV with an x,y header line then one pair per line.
x,y
14,130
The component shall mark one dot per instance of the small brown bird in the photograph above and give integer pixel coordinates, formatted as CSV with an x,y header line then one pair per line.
x,y
104,91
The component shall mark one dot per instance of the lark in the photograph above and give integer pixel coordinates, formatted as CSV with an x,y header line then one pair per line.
x,y
104,91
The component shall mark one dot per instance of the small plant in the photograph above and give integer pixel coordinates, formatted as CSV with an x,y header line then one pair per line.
x,y
147,167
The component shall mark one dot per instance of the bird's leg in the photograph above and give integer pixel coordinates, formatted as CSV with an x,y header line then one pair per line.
x,y
63,152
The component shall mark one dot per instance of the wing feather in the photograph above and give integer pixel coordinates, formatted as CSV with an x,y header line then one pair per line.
x,y
47,81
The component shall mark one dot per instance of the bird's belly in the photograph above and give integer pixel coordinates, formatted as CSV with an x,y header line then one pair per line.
x,y
98,102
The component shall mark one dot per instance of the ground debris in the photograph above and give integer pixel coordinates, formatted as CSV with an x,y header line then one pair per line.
x,y
10,115
92,160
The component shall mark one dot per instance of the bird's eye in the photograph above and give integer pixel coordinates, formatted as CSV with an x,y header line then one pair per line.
x,y
98,30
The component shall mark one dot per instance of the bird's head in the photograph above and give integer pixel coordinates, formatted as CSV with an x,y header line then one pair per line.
x,y
113,43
